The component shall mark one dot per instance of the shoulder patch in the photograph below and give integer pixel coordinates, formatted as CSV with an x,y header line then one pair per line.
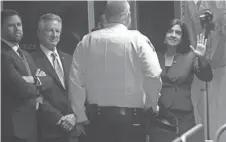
x,y
151,45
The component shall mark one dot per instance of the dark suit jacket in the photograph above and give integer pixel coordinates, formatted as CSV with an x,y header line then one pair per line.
x,y
18,96
177,80
56,102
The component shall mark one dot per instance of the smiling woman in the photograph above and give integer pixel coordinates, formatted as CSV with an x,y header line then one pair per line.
x,y
173,36
179,64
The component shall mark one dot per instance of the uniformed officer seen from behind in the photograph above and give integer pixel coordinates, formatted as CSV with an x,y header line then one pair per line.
x,y
113,70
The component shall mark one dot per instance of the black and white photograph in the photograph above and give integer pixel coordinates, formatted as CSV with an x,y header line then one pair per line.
x,y
113,71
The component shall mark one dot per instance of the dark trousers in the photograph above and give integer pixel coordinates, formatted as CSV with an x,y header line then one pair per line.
x,y
67,137
54,140
113,124
62,139
32,138
13,139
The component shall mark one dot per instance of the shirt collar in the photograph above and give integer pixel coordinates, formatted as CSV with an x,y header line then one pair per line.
x,y
13,46
47,51
170,56
115,25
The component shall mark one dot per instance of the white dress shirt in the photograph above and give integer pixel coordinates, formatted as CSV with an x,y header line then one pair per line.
x,y
114,67
48,55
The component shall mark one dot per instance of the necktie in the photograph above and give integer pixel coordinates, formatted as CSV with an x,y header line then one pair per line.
x,y
59,71
24,60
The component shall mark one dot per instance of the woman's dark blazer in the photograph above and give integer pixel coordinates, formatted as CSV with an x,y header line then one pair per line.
x,y
177,80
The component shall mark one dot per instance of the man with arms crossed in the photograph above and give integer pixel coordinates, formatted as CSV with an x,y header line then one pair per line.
x,y
21,82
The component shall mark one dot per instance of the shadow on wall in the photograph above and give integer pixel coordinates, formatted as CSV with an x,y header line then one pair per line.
x,y
75,25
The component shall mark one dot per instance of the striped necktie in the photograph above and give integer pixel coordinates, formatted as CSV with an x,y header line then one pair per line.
x,y
24,60
59,71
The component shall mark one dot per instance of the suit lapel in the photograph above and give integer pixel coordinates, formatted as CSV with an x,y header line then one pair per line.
x,y
17,60
44,61
162,63
181,67
66,68
30,63
172,67
10,51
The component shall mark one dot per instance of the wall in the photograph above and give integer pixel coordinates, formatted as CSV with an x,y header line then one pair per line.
x,y
152,18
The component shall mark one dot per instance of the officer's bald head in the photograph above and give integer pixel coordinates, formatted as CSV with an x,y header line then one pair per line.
x,y
117,11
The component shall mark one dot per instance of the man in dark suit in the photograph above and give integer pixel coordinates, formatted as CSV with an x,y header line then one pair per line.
x,y
56,118
19,80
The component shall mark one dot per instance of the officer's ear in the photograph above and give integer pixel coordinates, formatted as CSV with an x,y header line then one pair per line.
x,y
128,19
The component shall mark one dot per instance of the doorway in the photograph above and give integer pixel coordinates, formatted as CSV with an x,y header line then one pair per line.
x,y
153,17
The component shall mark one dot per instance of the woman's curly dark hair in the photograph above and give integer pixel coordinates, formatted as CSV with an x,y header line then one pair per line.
x,y
184,46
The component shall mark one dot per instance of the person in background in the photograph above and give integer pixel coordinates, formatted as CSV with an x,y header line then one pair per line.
x,y
180,62
56,118
101,23
21,82
113,70
72,28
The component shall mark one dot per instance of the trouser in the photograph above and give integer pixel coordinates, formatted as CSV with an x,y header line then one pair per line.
x,y
116,124
59,140
12,139
15,139
54,140
71,136
31,138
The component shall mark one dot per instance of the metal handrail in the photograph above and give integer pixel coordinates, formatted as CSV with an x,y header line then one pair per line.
x,y
220,132
193,131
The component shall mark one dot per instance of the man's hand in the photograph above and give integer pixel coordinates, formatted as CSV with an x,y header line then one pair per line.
x,y
71,119
40,73
28,79
80,128
156,110
67,122
39,101
64,124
